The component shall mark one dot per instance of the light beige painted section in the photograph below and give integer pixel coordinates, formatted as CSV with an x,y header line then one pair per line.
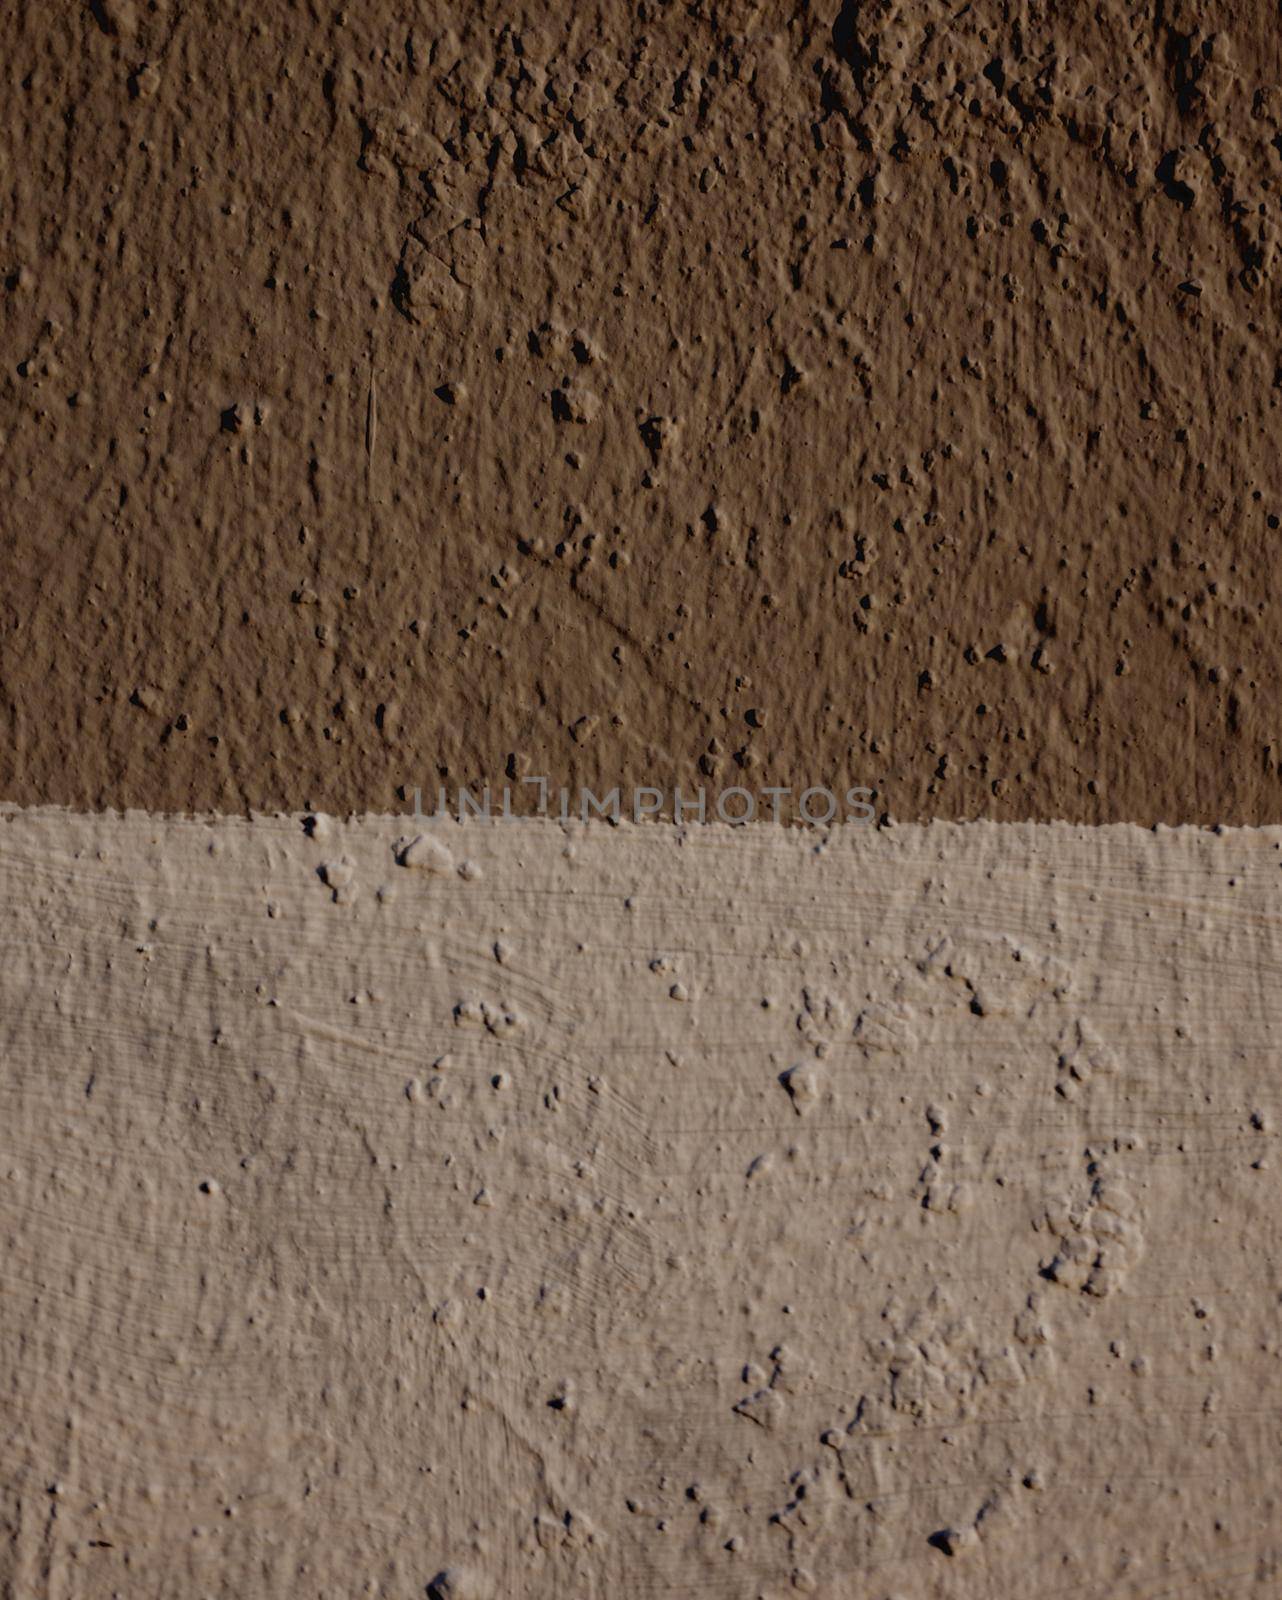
x,y
607,1212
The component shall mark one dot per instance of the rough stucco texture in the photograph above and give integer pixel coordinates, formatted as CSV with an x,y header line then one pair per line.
x,y
613,1212
418,392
